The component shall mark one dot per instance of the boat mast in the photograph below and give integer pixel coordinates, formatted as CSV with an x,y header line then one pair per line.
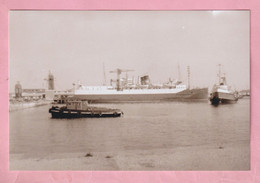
x,y
219,73
224,79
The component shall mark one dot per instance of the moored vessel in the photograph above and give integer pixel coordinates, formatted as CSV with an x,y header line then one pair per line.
x,y
127,90
106,95
221,92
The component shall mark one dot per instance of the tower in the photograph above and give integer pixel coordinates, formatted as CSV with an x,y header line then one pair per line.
x,y
50,81
18,90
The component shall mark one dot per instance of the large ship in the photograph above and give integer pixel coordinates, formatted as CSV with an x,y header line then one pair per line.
x,y
221,92
127,90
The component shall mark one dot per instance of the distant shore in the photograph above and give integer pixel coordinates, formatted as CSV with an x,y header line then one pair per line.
x,y
14,106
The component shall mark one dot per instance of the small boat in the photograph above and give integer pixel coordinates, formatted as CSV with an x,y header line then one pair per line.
x,y
81,109
222,93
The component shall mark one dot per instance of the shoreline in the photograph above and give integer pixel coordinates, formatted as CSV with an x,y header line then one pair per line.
x,y
202,157
26,105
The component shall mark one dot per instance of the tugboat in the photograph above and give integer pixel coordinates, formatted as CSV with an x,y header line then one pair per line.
x,y
75,108
222,93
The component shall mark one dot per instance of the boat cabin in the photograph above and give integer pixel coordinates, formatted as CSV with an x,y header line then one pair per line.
x,y
77,105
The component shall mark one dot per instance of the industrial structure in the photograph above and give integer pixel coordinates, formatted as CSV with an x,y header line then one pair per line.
x,y
31,94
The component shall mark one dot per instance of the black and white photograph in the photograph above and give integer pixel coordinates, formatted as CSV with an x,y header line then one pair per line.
x,y
129,90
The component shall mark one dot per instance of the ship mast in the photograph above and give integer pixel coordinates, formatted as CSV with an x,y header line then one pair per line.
x,y
104,72
188,69
219,73
224,79
179,73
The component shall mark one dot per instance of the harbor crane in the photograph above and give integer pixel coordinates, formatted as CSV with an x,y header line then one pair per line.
x,y
118,72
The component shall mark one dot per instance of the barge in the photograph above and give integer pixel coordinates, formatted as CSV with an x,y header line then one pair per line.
x,y
81,109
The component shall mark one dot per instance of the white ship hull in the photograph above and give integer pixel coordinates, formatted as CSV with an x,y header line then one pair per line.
x,y
223,96
141,95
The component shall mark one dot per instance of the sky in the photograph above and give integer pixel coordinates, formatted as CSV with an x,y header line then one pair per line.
x,y
81,45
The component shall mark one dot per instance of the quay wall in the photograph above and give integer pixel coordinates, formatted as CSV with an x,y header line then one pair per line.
x,y
25,105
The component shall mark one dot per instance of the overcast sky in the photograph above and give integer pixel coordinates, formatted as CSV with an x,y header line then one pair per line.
x,y
73,45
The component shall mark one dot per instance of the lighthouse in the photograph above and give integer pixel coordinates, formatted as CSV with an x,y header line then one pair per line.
x,y
50,92
50,81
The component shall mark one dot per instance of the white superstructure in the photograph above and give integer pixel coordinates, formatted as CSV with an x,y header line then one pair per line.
x,y
98,90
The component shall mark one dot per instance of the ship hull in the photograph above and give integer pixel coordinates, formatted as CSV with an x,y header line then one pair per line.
x,y
77,115
225,98
193,94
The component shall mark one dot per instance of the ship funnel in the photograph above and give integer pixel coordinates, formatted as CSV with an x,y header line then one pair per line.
x,y
145,80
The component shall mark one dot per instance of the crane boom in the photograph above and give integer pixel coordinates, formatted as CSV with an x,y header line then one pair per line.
x,y
119,71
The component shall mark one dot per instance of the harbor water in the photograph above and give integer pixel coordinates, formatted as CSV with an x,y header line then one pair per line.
x,y
150,136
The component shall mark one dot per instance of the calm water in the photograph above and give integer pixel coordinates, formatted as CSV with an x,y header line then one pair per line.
x,y
143,126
